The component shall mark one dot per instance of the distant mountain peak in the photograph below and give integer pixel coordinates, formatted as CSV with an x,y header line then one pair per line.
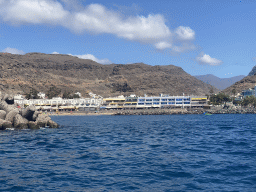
x,y
220,83
253,71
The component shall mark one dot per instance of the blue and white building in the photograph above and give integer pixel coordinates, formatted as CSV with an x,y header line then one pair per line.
x,y
249,92
164,101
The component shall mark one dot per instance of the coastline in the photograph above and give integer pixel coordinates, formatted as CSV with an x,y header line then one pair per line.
x,y
162,111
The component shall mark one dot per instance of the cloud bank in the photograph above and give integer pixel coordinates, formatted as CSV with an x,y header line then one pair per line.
x,y
204,59
13,51
97,19
91,57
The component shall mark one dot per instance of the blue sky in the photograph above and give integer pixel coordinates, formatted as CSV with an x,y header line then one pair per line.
x,y
201,36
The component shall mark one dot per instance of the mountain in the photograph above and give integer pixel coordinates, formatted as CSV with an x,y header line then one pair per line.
x,y
253,71
220,83
246,83
20,73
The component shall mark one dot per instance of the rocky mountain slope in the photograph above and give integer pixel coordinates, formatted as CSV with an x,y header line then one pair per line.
x,y
20,73
253,71
246,83
219,83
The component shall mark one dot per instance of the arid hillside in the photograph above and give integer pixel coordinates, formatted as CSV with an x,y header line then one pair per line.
x,y
245,83
20,73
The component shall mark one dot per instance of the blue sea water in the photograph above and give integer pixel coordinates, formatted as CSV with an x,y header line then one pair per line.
x,y
132,153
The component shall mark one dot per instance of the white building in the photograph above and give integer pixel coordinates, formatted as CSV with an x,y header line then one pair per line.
x,y
164,101
41,95
61,104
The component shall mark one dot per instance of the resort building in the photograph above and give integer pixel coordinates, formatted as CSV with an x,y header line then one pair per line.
x,y
249,92
164,101
131,101
113,102
59,104
199,101
120,102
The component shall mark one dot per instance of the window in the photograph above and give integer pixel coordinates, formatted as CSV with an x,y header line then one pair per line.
x,y
171,99
171,103
178,99
163,103
156,103
148,103
141,100
156,99
179,103
148,99
163,99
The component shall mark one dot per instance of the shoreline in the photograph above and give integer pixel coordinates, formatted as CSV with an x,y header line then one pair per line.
x,y
158,112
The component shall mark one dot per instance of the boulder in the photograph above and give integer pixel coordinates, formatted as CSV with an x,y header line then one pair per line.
x,y
7,108
5,124
2,114
10,116
20,122
1,124
9,99
33,125
28,112
52,124
42,120
35,115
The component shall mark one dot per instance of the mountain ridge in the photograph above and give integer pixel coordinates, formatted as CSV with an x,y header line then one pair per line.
x,y
20,73
246,83
219,83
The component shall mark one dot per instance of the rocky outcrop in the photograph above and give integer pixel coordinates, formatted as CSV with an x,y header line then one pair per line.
x,y
253,71
12,116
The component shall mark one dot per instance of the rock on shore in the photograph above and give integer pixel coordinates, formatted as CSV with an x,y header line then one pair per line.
x,y
12,116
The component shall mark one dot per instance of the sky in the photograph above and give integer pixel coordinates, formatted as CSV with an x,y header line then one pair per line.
x,y
201,36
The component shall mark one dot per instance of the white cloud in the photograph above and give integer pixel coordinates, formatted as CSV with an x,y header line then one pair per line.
x,y
92,57
55,52
163,45
33,12
185,33
13,51
96,18
207,60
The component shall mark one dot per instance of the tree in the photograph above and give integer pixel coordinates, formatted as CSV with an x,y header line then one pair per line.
x,y
53,92
249,100
68,95
234,91
211,91
219,99
32,94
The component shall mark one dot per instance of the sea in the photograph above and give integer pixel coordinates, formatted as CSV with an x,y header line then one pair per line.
x,y
132,153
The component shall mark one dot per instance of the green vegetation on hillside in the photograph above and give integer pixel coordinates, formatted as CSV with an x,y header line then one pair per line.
x,y
69,95
53,92
219,99
249,101
32,94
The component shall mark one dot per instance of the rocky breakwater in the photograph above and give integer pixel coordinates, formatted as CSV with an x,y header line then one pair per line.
x,y
11,116
164,111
